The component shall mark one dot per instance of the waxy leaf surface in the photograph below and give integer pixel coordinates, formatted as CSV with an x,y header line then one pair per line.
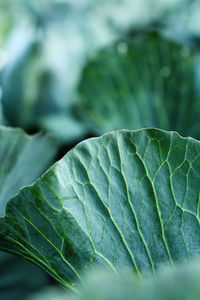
x,y
127,200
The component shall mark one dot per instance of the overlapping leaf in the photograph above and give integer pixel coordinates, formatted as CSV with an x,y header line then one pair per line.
x,y
146,81
22,159
129,199
34,96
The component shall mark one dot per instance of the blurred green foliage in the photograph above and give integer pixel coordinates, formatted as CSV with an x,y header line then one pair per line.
x,y
46,45
19,278
142,81
78,69
182,283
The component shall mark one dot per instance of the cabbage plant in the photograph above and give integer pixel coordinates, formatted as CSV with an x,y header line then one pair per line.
x,y
127,201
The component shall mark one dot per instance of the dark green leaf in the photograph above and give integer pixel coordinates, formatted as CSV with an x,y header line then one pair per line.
x,y
146,81
34,97
19,278
27,84
129,199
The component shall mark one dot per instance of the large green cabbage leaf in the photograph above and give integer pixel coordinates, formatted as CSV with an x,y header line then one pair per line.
x,y
127,200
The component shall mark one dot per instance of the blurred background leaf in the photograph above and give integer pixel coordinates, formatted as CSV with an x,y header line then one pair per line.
x,y
19,278
46,47
78,69
142,81
22,160
181,283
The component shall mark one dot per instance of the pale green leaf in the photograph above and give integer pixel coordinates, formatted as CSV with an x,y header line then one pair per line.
x,y
181,283
64,127
22,159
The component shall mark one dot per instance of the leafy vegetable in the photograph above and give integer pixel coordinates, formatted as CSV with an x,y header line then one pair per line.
x,y
34,96
128,200
22,159
146,81
31,81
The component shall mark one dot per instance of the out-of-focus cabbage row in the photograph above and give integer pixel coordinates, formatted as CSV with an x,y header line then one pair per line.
x,y
81,68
